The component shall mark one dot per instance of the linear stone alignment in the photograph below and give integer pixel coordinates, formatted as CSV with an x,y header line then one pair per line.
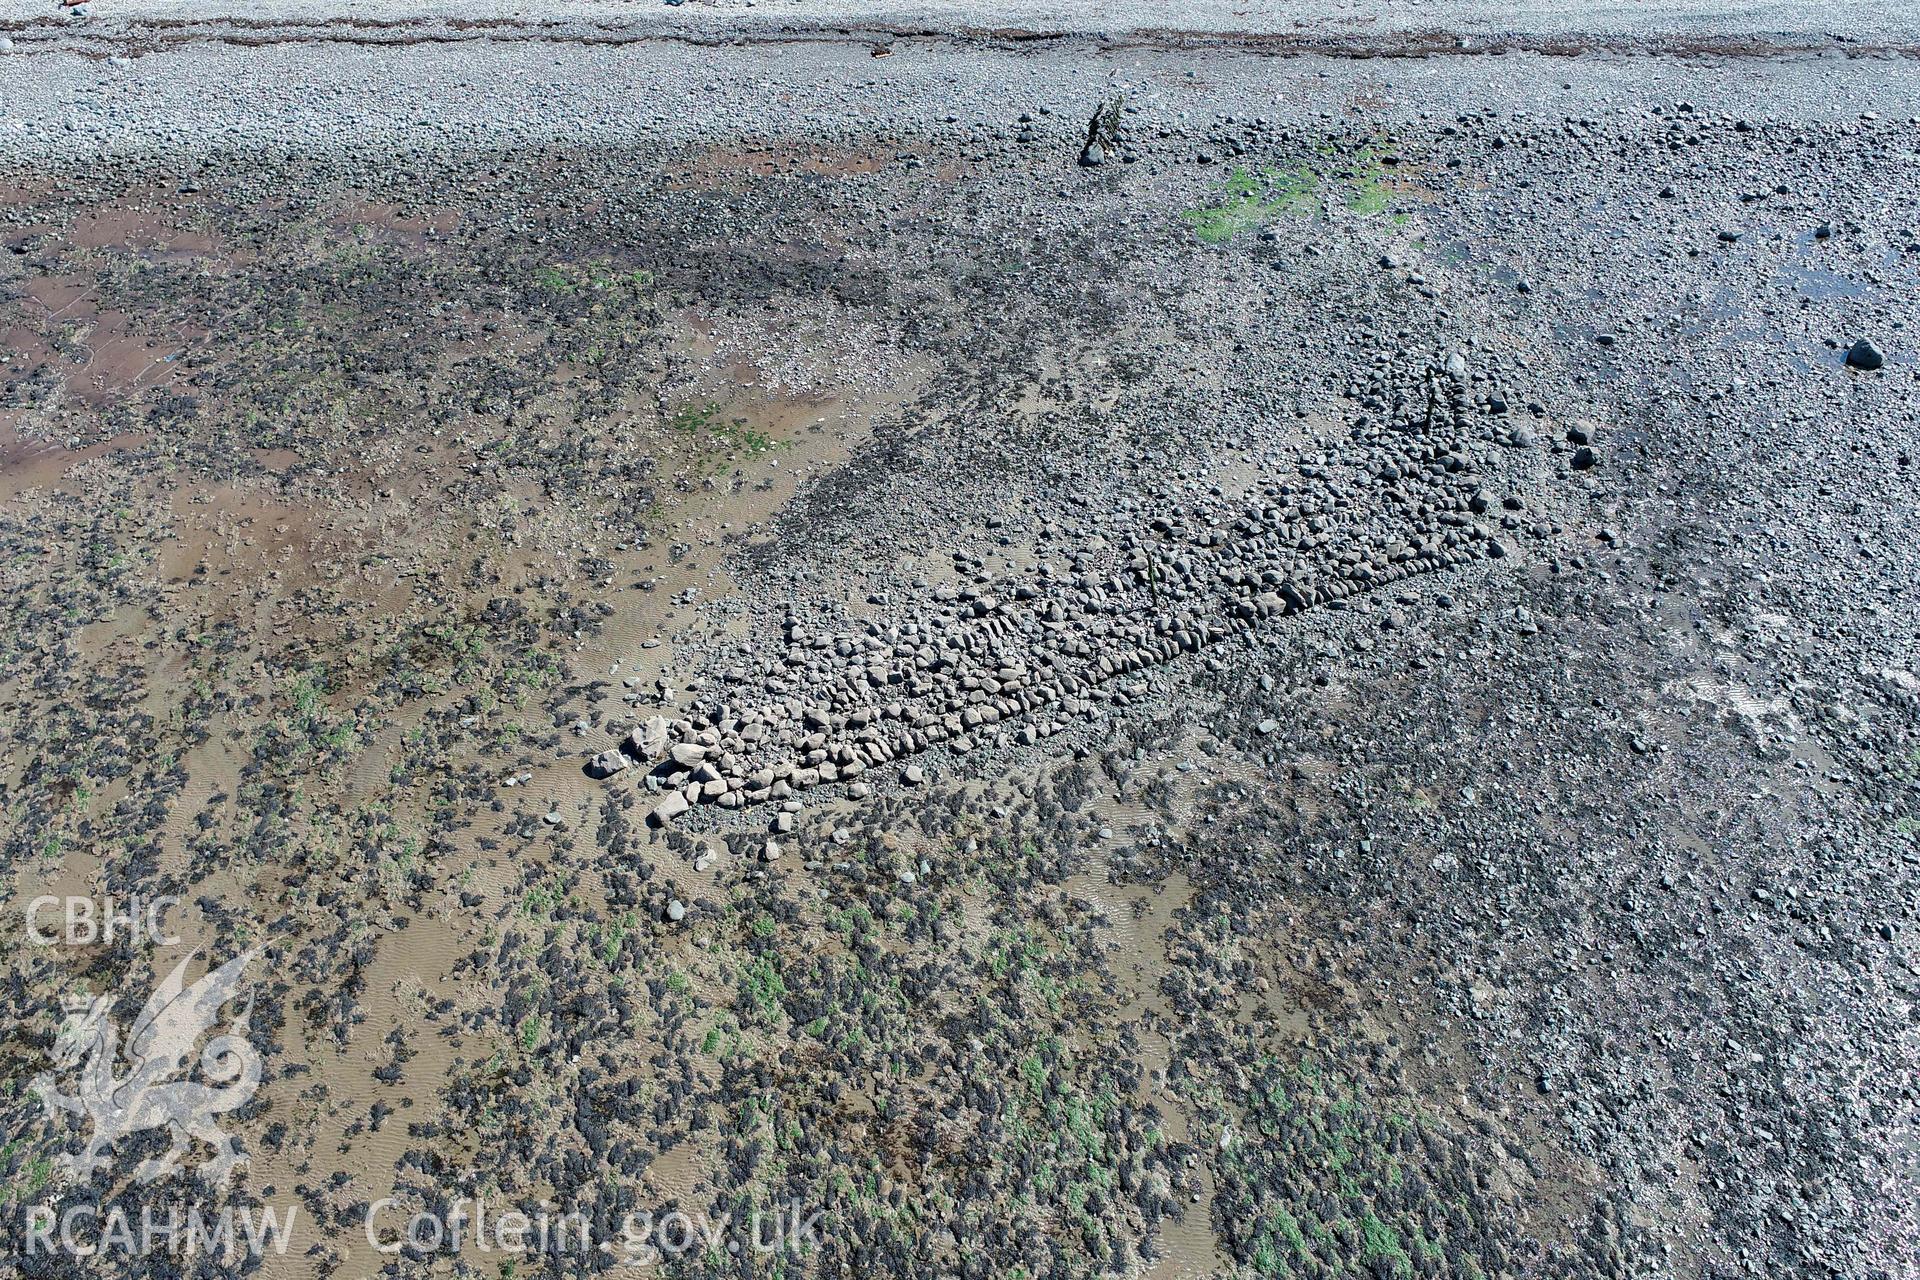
x,y
1402,495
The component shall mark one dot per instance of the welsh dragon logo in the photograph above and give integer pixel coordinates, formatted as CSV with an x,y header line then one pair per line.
x,y
152,1094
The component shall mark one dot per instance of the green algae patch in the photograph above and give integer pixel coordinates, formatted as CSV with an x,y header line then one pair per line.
x,y
1366,190
1248,200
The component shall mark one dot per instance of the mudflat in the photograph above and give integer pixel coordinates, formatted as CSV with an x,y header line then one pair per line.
x,y
1063,641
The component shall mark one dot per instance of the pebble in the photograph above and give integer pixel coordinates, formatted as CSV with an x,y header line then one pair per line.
x,y
1864,355
671,806
604,765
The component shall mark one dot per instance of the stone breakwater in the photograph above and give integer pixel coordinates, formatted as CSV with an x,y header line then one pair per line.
x,y
1014,659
